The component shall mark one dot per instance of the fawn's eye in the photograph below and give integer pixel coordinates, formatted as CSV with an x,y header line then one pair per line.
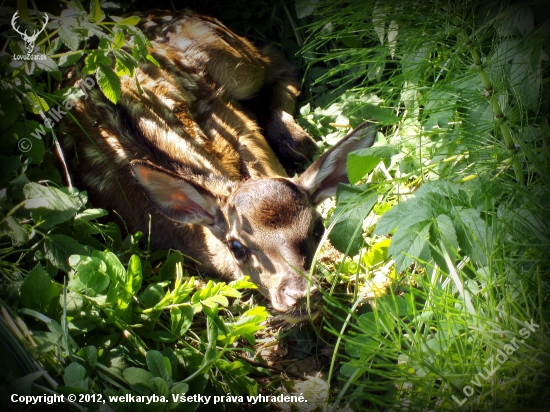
x,y
239,251
318,231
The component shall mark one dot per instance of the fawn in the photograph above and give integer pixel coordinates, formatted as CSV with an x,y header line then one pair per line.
x,y
204,155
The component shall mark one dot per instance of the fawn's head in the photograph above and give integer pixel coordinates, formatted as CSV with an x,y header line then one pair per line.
x,y
269,227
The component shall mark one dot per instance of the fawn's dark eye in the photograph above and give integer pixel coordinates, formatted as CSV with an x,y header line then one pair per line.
x,y
318,230
239,251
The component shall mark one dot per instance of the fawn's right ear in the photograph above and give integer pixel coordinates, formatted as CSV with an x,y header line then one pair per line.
x,y
322,177
178,198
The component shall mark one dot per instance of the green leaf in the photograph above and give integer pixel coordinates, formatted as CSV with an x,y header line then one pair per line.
x,y
58,248
410,243
50,198
17,233
377,253
38,290
134,276
473,235
108,82
96,13
159,387
156,365
168,269
181,319
179,388
362,162
90,276
395,305
49,66
152,60
75,376
382,115
354,204
367,323
137,377
118,40
128,21
37,104
91,214
70,37
115,269
94,59
89,355
211,353
69,59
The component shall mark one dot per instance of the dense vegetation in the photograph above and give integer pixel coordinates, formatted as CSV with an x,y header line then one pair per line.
x,y
438,296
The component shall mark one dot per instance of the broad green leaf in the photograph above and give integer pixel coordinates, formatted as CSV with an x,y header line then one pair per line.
x,y
353,368
58,248
89,354
152,295
50,66
156,365
115,269
75,376
152,60
473,235
49,198
134,276
108,82
91,274
29,139
354,204
94,60
362,162
181,319
410,243
367,323
69,59
125,63
168,269
377,253
119,40
159,386
382,115
70,37
38,291
396,305
353,345
137,376
37,104
18,234
179,388
447,233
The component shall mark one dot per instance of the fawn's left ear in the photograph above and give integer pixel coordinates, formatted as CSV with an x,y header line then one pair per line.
x,y
322,177
178,198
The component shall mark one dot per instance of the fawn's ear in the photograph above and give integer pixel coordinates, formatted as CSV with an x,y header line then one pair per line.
x,y
322,177
178,198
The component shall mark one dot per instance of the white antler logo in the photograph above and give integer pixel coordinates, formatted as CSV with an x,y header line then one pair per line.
x,y
29,40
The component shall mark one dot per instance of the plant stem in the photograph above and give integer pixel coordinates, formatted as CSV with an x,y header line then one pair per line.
x,y
504,127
